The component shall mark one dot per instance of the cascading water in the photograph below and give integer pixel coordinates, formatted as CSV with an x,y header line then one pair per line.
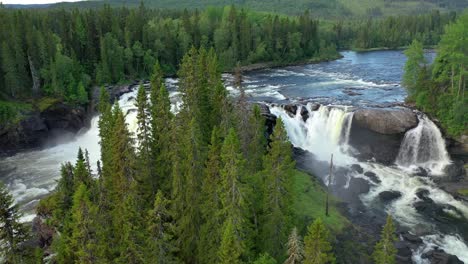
x,y
424,146
31,175
327,131
321,134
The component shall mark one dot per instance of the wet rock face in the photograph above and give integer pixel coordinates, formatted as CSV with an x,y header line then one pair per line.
x,y
438,256
377,133
36,128
387,196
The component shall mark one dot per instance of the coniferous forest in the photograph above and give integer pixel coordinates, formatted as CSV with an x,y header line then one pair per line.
x,y
213,181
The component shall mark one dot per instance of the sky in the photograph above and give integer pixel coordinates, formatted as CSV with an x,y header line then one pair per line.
x,y
29,2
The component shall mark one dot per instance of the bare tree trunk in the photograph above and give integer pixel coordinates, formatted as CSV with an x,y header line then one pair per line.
x,y
328,186
35,77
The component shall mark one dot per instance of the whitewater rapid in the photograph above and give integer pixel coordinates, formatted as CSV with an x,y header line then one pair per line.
x,y
327,131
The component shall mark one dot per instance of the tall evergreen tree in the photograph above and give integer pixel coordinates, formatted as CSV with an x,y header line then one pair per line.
x,y
234,196
211,229
83,225
385,251
13,233
277,213
160,240
145,176
318,249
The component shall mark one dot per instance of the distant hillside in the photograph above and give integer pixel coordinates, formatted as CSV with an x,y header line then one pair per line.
x,y
322,8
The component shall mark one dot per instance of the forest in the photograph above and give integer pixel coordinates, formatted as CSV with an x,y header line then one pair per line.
x,y
209,183
58,54
440,88
202,186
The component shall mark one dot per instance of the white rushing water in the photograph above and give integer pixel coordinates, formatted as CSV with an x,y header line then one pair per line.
x,y
32,175
424,146
327,132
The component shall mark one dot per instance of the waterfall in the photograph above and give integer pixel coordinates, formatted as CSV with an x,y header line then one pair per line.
x,y
424,146
326,131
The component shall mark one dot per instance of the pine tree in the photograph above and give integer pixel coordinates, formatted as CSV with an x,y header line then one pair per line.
x,y
295,248
145,176
385,251
13,233
231,248
161,133
189,159
131,243
211,229
277,214
83,234
318,249
81,174
160,244
234,195
258,141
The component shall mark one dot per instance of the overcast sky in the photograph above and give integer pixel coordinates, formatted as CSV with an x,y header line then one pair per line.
x,y
29,2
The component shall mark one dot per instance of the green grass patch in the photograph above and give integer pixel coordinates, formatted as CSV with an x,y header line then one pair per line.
x,y
463,192
12,112
309,204
45,102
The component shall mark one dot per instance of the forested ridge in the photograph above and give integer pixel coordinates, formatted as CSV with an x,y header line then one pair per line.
x,y
321,8
61,54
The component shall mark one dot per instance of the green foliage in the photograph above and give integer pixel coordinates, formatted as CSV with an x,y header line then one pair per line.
x,y
415,61
442,95
317,244
11,112
276,220
385,251
13,233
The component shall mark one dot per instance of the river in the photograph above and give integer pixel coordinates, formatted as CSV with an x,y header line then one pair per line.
x,y
357,80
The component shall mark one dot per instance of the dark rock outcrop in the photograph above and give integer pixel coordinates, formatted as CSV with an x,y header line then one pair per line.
x,y
37,128
377,134
387,196
438,256
372,176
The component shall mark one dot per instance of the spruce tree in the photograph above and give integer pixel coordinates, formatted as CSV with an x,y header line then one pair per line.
x,y
13,233
160,246
231,248
161,136
145,176
211,229
83,228
318,249
234,195
277,213
295,248
385,251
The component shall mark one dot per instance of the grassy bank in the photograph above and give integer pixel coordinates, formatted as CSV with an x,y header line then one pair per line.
x,y
309,204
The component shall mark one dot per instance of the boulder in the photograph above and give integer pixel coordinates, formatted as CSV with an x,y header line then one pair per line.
x,y
372,176
387,196
291,109
43,232
376,134
438,256
357,168
386,121
304,113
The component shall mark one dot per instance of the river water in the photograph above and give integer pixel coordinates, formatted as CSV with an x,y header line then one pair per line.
x,y
356,80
